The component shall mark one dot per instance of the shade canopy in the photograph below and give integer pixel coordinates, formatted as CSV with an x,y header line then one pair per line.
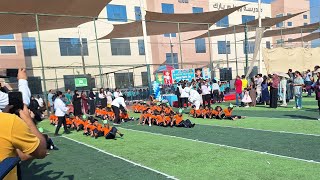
x,y
159,23
266,22
307,38
25,21
294,30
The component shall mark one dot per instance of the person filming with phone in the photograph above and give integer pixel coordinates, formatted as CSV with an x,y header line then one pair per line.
x,y
19,135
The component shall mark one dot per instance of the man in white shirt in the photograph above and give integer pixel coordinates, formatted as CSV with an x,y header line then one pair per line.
x,y
117,93
215,90
60,111
195,98
115,105
23,88
206,94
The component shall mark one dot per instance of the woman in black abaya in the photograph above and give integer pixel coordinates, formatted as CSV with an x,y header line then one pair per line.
x,y
77,103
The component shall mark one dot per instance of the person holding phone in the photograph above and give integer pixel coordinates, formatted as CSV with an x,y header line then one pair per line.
x,y
23,88
60,111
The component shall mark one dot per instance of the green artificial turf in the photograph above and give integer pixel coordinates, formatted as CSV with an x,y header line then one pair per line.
x,y
75,161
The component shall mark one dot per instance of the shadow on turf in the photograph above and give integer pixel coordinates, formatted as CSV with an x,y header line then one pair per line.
x,y
35,171
300,117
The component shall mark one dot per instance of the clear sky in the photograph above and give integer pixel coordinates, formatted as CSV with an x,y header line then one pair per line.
x,y
314,13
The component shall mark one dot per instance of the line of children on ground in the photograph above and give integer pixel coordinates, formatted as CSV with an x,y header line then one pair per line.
x,y
160,115
89,126
216,113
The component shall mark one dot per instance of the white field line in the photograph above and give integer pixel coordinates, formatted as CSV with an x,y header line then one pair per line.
x,y
222,145
131,162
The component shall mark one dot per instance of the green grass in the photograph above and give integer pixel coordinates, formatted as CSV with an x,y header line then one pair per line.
x,y
195,160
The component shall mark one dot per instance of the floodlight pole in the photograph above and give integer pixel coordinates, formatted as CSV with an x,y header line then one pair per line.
x,y
81,52
171,48
246,46
260,25
42,67
210,53
180,46
145,39
235,48
98,53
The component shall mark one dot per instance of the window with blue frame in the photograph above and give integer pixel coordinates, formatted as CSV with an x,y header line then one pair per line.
x,y
8,50
72,46
224,47
305,16
29,46
7,36
246,18
224,22
172,59
197,10
117,13
137,12
168,9
251,46
280,24
200,45
268,45
289,24
141,47
120,47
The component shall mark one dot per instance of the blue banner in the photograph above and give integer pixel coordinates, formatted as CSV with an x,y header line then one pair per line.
x,y
183,74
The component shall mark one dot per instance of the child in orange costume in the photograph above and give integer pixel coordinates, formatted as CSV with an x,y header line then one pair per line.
x,y
228,114
198,113
217,112
110,132
177,119
97,130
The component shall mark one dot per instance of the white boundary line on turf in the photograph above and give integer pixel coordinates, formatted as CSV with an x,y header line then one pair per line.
x,y
285,132
136,164
222,145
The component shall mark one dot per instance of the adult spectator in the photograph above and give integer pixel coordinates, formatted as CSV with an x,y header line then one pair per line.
x,y
291,79
297,84
50,100
184,95
308,82
259,81
68,97
238,86
20,137
265,95
317,91
109,97
92,105
116,104
283,91
76,103
215,91
103,98
274,87
60,111
195,98
35,108
244,82
23,88
40,102
117,93
206,94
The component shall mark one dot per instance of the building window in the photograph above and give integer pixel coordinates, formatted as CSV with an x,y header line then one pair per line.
x,y
8,50
141,47
280,41
144,78
305,24
123,80
268,45
225,74
117,13
137,12
224,22
251,46
246,19
7,37
200,45
289,39
280,24
29,46
173,62
168,9
289,14
72,47
224,47
183,1
289,24
196,10
305,16
120,47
